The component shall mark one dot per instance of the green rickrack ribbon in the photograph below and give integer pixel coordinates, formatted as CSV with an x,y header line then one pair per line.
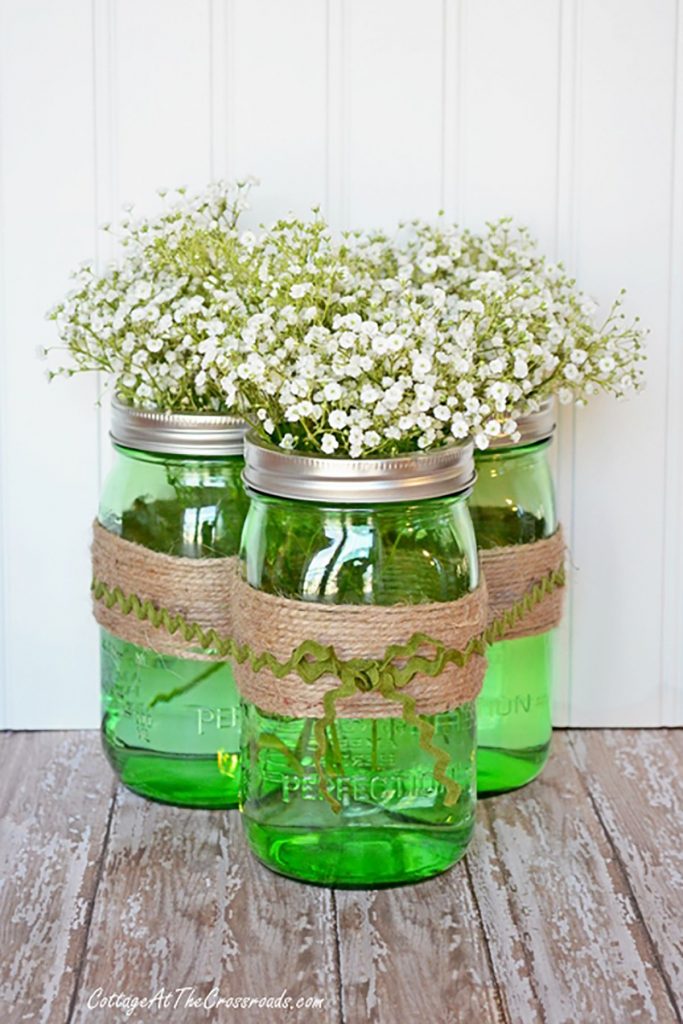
x,y
311,660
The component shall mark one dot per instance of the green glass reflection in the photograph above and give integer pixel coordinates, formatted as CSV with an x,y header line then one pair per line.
x,y
393,825
513,502
170,726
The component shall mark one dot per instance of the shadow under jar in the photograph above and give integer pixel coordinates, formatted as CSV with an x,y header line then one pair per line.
x,y
373,533
170,725
513,502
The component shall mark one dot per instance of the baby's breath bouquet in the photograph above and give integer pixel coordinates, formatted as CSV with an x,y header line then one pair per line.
x,y
360,345
345,360
159,318
542,335
378,345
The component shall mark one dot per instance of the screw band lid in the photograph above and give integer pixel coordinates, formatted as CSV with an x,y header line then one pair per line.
x,y
309,477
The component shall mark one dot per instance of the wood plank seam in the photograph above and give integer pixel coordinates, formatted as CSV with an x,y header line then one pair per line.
x,y
500,998
76,991
337,959
654,949
508,884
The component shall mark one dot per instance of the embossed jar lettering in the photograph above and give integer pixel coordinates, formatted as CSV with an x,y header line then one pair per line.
x,y
341,560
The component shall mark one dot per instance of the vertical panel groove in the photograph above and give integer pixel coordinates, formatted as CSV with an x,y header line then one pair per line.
x,y
219,141
96,177
229,87
671,641
4,680
337,112
573,249
452,71
462,84
211,62
445,21
104,169
566,203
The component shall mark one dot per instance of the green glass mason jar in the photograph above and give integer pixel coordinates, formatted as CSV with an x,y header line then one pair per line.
x,y
374,533
513,502
170,725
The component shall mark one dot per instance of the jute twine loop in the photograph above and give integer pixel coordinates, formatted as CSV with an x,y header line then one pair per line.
x,y
361,638
197,590
510,574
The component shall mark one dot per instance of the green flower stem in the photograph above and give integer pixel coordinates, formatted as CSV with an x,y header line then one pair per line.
x,y
180,690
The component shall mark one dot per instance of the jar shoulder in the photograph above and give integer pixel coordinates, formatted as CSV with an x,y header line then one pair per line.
x,y
513,499
351,556
186,508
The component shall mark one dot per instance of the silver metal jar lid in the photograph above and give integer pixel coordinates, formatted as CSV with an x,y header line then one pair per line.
x,y
532,426
176,433
306,477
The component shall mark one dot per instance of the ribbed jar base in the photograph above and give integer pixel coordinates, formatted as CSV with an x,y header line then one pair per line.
x,y
358,858
385,820
181,779
499,771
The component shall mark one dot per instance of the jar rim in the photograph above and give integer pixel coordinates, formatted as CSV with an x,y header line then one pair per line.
x,y
173,433
305,476
532,427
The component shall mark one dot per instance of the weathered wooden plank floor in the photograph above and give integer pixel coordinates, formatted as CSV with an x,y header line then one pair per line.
x,y
569,907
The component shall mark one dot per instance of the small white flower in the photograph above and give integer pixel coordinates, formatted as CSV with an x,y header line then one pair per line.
x,y
338,419
422,364
297,291
329,444
428,265
229,390
459,426
369,394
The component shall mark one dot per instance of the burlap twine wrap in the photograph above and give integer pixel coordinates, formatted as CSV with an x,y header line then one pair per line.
x,y
361,632
510,574
198,589
211,593
202,609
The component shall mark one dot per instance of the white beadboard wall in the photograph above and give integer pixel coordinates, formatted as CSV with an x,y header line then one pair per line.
x,y
565,113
